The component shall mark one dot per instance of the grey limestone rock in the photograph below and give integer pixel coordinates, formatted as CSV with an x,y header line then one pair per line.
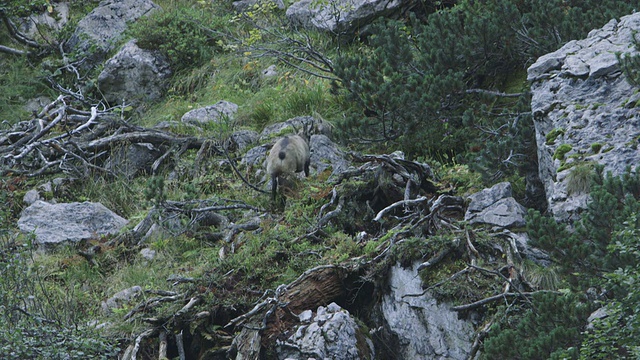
x,y
97,33
332,333
133,160
54,224
243,138
212,113
43,23
120,298
342,15
134,75
425,329
495,206
582,101
326,154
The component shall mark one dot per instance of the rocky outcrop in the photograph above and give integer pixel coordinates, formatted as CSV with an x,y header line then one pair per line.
x,y
424,328
97,32
341,15
134,75
241,139
53,224
585,110
495,206
332,333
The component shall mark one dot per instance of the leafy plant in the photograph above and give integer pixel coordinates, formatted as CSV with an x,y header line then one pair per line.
x,y
580,178
561,151
178,33
548,326
38,322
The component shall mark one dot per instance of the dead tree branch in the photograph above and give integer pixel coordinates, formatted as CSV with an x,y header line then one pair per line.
x,y
493,93
62,138
490,299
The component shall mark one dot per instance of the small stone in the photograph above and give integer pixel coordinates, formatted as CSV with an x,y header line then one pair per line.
x,y
333,308
148,254
305,316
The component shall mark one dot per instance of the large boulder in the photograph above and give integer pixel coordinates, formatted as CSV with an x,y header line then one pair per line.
x,y
325,154
495,206
342,15
423,327
134,75
97,32
585,110
54,224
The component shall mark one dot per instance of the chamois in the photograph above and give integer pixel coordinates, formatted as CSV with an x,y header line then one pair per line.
x,y
288,155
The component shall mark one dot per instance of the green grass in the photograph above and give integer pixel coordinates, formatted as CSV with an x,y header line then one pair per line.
x,y
19,83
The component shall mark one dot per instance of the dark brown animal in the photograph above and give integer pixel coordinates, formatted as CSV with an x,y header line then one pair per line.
x,y
288,155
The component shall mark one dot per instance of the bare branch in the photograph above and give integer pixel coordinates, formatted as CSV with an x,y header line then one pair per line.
x,y
15,34
12,51
396,204
490,299
493,93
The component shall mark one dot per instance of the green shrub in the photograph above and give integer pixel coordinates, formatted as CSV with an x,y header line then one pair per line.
x,y
561,151
551,324
580,178
553,135
182,34
37,322
19,82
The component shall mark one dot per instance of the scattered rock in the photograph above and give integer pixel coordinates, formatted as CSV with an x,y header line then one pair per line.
x,y
315,127
133,160
148,253
241,139
599,314
155,232
36,105
270,72
244,5
333,334
54,224
581,101
213,113
255,157
495,206
120,299
134,75
31,196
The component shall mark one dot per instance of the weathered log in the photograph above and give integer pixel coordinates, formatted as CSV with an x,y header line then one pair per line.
x,y
315,287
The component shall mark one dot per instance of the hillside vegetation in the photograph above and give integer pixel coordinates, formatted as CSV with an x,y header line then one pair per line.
x,y
445,83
